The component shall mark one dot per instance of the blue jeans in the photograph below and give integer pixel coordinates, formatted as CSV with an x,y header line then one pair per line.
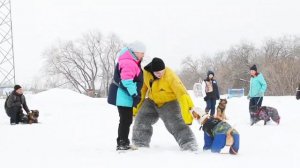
x,y
211,106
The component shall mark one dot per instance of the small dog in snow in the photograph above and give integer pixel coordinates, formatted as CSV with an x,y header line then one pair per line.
x,y
264,113
31,117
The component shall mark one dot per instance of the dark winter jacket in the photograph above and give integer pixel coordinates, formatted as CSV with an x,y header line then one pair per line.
x,y
215,92
16,100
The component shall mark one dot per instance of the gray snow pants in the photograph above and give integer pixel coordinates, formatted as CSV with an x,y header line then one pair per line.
x,y
170,114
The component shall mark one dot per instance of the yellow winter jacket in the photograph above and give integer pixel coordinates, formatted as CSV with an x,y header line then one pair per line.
x,y
167,89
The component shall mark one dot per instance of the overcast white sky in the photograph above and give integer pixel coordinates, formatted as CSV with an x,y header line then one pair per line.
x,y
171,29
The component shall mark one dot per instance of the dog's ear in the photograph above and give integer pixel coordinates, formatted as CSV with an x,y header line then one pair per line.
x,y
223,101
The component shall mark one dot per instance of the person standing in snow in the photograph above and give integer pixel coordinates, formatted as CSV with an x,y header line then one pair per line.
x,y
124,91
166,98
258,87
218,134
211,91
14,105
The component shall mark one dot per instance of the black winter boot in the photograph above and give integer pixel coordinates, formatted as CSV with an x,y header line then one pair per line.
x,y
123,144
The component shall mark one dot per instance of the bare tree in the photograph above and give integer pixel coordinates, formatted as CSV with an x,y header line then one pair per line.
x,y
281,64
76,66
190,73
87,64
239,59
108,57
278,60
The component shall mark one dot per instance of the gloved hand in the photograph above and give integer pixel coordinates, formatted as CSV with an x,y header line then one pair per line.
x,y
136,100
194,113
205,98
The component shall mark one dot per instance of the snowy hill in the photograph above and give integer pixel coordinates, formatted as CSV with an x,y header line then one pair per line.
x,y
77,131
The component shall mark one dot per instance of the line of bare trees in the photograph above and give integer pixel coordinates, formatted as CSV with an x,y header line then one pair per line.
x,y
85,65
278,60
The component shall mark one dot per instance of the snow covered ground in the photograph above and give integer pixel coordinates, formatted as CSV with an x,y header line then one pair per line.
x,y
77,131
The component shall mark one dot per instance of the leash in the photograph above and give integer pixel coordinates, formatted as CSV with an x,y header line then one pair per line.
x,y
258,100
244,80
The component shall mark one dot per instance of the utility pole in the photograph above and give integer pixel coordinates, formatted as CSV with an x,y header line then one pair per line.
x,y
7,61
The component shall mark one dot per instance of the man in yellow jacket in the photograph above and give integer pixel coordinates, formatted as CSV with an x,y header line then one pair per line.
x,y
163,96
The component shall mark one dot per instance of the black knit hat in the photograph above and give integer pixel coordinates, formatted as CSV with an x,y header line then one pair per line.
x,y
157,64
16,87
253,67
210,72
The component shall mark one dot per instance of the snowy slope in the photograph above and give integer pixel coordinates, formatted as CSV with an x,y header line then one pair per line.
x,y
77,131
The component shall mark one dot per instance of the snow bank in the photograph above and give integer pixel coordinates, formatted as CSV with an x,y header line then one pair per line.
x,y
61,95
77,131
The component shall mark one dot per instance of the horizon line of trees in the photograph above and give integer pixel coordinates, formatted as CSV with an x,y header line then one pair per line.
x,y
277,59
86,65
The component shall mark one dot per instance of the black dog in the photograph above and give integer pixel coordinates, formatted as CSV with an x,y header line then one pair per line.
x,y
264,113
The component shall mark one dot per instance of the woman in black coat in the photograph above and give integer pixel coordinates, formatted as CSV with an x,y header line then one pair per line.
x,y
211,93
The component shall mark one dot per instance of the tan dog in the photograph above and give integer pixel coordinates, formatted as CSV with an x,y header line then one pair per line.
x,y
221,109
